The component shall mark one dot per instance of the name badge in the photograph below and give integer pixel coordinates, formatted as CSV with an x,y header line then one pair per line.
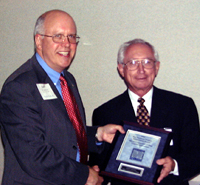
x,y
46,91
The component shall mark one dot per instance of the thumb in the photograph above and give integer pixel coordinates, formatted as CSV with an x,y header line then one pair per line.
x,y
160,161
96,168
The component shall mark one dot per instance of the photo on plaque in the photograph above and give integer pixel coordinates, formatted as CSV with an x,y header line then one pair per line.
x,y
138,148
134,154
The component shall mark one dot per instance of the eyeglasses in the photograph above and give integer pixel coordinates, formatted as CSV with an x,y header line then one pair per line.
x,y
60,38
134,63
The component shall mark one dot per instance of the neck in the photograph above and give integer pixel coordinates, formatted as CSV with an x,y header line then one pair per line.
x,y
140,93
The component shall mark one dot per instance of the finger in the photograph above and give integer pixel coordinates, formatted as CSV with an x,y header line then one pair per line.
x,y
160,161
96,168
121,129
110,138
100,180
163,174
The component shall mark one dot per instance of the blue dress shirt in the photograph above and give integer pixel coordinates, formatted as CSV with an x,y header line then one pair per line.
x,y
54,76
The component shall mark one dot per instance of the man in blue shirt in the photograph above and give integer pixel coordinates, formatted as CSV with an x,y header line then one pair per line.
x,y
40,141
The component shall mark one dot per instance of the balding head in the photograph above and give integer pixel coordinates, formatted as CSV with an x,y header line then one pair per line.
x,y
50,26
40,27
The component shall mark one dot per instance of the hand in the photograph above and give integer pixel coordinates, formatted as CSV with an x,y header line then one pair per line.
x,y
94,178
168,166
107,132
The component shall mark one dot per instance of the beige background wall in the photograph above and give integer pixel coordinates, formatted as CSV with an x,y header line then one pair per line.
x,y
103,25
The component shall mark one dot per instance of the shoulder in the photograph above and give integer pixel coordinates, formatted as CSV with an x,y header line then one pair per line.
x,y
25,77
23,73
115,102
170,96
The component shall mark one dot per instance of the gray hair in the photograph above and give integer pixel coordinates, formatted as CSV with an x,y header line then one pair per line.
x,y
39,25
123,48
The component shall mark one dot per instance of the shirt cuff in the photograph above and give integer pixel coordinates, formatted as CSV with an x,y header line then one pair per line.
x,y
175,172
98,143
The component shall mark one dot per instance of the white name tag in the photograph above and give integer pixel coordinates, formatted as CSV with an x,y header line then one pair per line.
x,y
46,91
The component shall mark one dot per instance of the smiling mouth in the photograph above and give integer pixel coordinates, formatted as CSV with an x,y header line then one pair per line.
x,y
141,78
64,53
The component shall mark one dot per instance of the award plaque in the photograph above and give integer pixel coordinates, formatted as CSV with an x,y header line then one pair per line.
x,y
134,154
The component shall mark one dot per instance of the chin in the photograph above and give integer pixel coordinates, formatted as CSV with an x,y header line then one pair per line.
x,y
66,64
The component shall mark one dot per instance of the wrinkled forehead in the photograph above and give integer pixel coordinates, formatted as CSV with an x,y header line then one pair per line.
x,y
139,51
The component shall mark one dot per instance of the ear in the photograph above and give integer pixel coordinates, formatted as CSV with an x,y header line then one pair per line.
x,y
157,67
38,42
120,68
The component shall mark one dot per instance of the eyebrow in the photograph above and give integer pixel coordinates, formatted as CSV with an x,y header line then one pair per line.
x,y
140,58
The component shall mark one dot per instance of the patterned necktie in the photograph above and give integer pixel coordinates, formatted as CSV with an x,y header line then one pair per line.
x,y
143,117
75,117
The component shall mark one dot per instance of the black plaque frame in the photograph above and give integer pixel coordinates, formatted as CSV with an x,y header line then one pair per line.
x,y
148,175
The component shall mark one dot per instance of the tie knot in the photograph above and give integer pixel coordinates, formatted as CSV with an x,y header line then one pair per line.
x,y
62,80
141,100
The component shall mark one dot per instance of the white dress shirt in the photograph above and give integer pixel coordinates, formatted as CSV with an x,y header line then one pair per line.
x,y
148,103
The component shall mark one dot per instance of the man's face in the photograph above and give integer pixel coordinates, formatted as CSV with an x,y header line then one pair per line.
x,y
58,56
140,80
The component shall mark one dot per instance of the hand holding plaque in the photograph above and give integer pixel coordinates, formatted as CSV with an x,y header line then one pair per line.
x,y
134,154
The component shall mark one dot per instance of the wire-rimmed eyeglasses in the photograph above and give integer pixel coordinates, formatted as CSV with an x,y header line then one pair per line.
x,y
134,63
60,38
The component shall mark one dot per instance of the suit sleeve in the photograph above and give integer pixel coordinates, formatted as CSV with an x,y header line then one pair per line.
x,y
188,160
25,132
99,158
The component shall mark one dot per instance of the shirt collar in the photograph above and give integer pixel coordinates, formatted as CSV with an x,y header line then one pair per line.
x,y
147,97
53,75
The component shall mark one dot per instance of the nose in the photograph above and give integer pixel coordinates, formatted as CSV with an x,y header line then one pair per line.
x,y
66,42
140,67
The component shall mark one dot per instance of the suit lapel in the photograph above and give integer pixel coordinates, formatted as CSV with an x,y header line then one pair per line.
x,y
72,85
125,107
57,104
159,110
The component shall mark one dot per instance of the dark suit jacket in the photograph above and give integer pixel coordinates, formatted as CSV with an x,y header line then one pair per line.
x,y
39,139
169,109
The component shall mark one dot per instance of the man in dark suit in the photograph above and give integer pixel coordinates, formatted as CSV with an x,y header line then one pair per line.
x,y
41,143
138,65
